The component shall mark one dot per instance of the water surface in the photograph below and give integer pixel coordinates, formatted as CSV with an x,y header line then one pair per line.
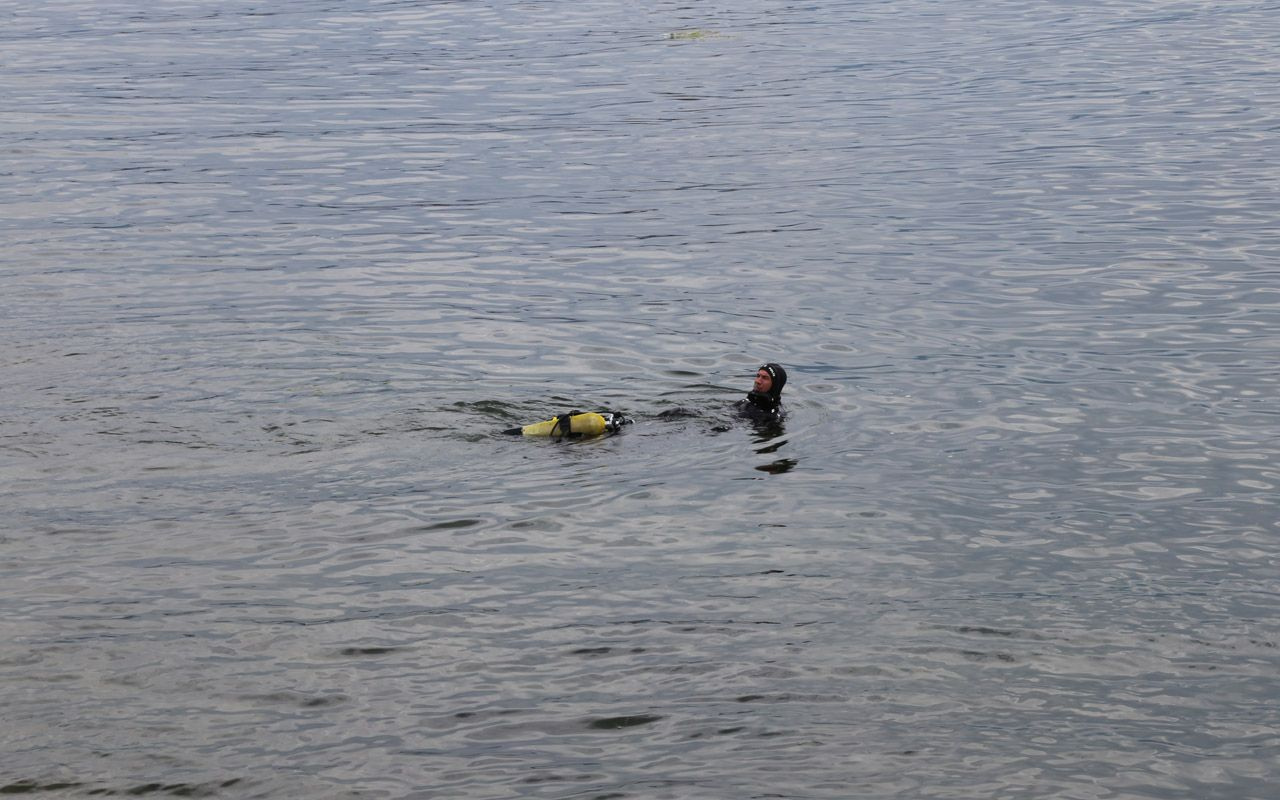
x,y
275,276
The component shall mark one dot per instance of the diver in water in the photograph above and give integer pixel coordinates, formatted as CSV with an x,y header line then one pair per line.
x,y
764,402
762,405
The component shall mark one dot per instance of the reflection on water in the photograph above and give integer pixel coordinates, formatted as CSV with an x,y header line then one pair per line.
x,y
277,278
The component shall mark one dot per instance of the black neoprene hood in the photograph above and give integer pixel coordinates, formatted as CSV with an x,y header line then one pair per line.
x,y
779,376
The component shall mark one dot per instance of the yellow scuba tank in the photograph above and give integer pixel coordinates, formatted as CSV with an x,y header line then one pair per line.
x,y
574,423
589,424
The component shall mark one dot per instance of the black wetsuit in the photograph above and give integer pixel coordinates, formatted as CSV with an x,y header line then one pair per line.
x,y
765,407
760,408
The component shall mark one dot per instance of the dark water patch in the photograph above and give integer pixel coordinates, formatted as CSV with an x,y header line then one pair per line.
x,y
453,524
618,723
369,651
985,657
297,699
34,787
208,789
718,732
789,697
592,651
779,467
986,631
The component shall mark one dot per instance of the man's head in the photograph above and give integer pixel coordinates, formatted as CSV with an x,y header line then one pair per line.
x,y
770,379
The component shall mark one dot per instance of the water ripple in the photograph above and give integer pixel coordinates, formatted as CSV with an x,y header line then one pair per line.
x,y
276,279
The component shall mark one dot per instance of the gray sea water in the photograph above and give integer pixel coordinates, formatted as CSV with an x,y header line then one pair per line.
x,y
276,274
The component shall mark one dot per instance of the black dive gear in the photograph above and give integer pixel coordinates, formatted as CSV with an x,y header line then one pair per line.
x,y
766,406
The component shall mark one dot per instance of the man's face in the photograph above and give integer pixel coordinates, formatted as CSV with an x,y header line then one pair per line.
x,y
763,382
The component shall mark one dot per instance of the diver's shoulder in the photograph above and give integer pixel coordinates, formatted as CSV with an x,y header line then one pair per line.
x,y
746,408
